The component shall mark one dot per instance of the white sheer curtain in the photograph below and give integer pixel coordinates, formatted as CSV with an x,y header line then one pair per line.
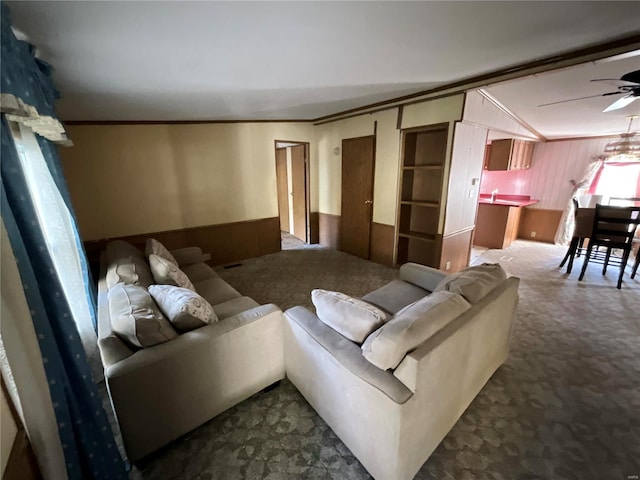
x,y
55,220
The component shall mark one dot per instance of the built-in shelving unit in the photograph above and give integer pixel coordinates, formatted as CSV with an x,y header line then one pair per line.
x,y
423,165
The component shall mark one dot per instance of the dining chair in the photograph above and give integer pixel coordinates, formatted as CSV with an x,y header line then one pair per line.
x,y
613,228
582,229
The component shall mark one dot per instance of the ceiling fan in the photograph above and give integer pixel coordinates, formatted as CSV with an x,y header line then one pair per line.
x,y
628,85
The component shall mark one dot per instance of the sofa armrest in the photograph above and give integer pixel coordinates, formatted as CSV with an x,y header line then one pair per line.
x,y
347,353
421,275
189,256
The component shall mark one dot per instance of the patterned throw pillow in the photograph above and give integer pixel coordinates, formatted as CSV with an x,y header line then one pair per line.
x,y
185,309
166,273
350,317
136,318
154,247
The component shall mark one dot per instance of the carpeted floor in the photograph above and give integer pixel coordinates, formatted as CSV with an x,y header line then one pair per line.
x,y
564,405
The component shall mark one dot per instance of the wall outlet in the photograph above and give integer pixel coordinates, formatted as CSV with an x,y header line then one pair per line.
x,y
447,266
472,193
533,234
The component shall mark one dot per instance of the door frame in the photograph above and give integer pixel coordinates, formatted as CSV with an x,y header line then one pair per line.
x,y
307,182
373,184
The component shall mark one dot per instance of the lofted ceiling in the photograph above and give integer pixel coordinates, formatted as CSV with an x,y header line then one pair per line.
x,y
155,61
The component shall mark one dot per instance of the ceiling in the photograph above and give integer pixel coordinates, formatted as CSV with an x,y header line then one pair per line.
x,y
185,60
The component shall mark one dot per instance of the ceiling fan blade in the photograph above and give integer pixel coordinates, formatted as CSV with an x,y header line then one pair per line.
x,y
581,98
616,82
621,103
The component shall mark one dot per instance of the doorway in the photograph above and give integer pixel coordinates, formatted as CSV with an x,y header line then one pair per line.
x,y
358,159
292,175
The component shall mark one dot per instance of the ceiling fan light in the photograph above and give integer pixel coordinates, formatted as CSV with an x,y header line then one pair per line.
x,y
626,146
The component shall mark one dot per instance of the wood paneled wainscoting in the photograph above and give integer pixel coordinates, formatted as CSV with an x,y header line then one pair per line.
x,y
227,242
539,224
329,230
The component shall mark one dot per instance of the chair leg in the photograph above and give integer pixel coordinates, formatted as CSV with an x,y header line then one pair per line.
x,y
580,246
570,252
635,264
623,264
587,255
606,261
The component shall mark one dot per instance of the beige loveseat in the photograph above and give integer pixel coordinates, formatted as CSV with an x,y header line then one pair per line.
x,y
392,419
163,391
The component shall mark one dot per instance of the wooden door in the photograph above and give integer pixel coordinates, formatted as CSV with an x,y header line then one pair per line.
x,y
357,195
299,191
283,188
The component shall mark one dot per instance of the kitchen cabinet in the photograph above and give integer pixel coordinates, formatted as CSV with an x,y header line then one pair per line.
x,y
509,154
496,226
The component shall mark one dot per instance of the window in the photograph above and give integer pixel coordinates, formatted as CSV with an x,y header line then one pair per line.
x,y
621,180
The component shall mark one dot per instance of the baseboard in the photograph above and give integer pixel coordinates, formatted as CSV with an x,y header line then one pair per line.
x,y
544,223
226,243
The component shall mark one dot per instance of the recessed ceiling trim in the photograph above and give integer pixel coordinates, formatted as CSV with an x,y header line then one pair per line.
x,y
504,109
567,59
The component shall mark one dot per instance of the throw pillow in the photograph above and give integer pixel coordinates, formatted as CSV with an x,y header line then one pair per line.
x,y
185,309
411,326
135,317
154,247
166,273
130,270
352,318
119,248
474,283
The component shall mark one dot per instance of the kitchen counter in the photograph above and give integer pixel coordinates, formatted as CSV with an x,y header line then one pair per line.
x,y
507,200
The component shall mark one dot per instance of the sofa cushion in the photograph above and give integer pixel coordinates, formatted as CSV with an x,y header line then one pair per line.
x,y
416,323
198,272
154,247
352,318
395,295
233,307
216,291
135,317
130,270
119,248
166,273
474,283
184,308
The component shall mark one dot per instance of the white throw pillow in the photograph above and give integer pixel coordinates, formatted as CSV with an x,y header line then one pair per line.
x,y
130,270
352,318
154,247
474,283
135,317
166,273
411,326
185,309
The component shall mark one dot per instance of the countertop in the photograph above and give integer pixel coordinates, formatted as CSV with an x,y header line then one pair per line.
x,y
507,200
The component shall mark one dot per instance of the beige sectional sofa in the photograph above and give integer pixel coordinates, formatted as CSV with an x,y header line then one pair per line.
x,y
434,351
163,391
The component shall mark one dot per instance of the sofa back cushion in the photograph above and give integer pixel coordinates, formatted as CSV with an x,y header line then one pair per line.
x,y
135,318
411,326
119,248
154,247
474,283
166,273
185,309
352,318
130,270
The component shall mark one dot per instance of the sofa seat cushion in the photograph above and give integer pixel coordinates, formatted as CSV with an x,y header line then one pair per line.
x,y
135,317
395,295
474,283
154,247
233,307
411,326
351,317
198,272
216,291
166,273
130,270
185,309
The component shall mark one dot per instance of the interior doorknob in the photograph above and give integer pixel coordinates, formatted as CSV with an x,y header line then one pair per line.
x,y
368,201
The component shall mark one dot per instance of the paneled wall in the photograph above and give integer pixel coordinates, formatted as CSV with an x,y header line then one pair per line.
x,y
554,165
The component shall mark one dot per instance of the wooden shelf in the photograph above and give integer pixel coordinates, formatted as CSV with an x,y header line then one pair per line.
x,y
425,237
423,167
420,204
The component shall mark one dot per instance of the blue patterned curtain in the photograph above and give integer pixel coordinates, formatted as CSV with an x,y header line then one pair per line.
x,y
88,443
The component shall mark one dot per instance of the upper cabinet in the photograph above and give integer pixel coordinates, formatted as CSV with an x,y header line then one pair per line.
x,y
509,154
